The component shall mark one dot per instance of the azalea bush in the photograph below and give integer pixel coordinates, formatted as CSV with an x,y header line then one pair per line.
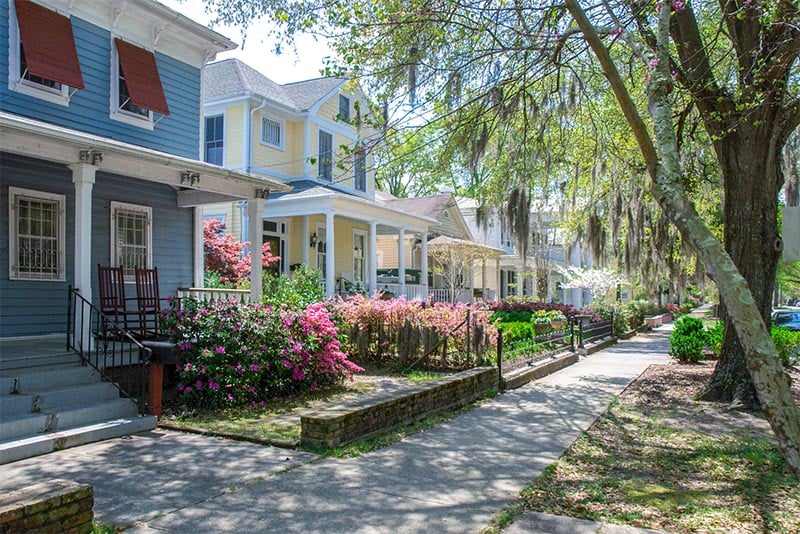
x,y
397,330
234,354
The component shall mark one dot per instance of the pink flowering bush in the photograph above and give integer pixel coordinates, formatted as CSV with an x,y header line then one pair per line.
x,y
235,354
399,330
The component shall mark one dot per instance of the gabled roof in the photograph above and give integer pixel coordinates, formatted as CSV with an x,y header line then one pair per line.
x,y
232,77
428,206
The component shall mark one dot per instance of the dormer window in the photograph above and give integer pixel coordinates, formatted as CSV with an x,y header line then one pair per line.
x,y
344,108
136,91
43,58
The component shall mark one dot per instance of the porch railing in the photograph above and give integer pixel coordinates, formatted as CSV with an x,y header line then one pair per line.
x,y
204,294
108,348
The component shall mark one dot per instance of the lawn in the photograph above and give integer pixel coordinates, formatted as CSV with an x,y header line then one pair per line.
x,y
660,460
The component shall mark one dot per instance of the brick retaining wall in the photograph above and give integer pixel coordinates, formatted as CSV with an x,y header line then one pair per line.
x,y
340,425
52,507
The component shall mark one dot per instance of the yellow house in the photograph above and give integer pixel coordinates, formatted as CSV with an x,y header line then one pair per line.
x,y
315,136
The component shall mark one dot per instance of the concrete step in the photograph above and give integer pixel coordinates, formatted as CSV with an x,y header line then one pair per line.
x,y
13,450
17,426
94,413
57,400
7,385
14,405
49,380
15,364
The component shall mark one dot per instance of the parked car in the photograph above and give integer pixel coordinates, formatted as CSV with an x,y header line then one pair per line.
x,y
790,318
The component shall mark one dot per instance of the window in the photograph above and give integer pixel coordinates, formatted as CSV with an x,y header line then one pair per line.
x,y
359,265
43,58
344,108
131,237
271,132
36,235
214,144
322,249
275,233
326,156
136,90
360,170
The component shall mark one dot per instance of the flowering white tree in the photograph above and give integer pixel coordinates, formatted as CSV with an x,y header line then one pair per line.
x,y
599,281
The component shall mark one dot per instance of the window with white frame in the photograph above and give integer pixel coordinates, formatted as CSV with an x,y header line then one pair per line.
x,y
359,255
131,237
326,156
43,30
272,132
322,250
344,108
36,235
360,170
215,140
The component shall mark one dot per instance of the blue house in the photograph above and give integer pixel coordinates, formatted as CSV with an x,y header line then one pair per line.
x,y
100,138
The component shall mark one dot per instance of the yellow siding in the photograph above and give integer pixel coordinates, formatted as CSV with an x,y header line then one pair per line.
x,y
266,156
387,245
294,148
343,164
330,108
297,241
234,116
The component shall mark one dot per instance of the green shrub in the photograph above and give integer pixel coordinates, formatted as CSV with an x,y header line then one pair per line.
x,y
516,331
296,291
714,337
512,316
687,340
787,343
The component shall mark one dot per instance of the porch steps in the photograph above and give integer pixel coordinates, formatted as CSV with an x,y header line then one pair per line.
x,y
51,402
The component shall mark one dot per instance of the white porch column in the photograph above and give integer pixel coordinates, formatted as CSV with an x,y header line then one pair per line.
x,y
305,240
83,176
330,263
424,262
373,257
401,260
198,254
255,214
498,279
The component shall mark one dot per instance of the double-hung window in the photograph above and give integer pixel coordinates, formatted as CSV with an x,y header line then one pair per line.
x,y
360,170
271,132
326,156
344,108
136,90
214,143
131,237
36,235
43,59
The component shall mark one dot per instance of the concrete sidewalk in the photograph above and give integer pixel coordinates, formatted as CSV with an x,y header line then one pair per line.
x,y
451,478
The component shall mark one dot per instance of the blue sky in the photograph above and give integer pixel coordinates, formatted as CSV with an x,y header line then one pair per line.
x,y
257,52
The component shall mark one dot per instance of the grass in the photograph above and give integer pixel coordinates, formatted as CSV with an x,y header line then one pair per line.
x,y
645,467
277,420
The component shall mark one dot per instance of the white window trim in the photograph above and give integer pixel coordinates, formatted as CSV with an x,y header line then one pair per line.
x,y
149,237
224,134
320,177
321,233
21,85
116,112
339,107
13,192
281,123
364,257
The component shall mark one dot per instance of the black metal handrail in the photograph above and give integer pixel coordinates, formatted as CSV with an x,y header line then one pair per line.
x,y
107,347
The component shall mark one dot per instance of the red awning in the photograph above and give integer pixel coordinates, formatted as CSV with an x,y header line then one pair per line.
x,y
49,44
141,76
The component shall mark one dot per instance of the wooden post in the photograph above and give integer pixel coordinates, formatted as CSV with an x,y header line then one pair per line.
x,y
155,387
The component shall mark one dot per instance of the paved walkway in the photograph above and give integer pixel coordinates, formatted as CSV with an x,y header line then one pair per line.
x,y
451,478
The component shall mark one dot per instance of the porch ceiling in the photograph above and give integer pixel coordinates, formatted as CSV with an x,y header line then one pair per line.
x,y
211,183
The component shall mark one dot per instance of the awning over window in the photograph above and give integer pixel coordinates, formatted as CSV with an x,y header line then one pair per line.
x,y
141,76
48,43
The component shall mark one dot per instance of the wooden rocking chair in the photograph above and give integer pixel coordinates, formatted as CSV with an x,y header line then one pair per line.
x,y
113,303
148,302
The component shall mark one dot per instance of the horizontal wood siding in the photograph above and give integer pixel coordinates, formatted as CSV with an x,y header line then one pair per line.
x,y
171,229
89,108
30,307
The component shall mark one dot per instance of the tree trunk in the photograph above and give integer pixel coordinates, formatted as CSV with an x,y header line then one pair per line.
x,y
746,159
